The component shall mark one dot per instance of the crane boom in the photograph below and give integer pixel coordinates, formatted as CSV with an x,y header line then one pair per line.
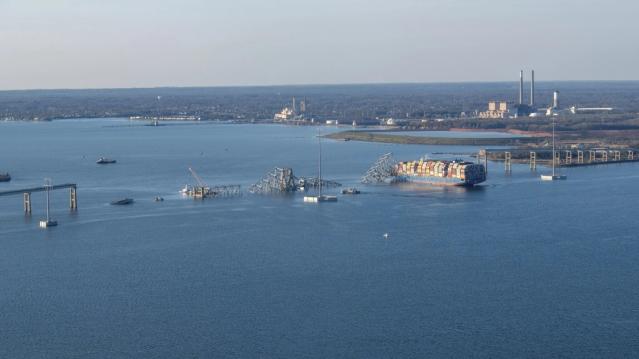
x,y
197,178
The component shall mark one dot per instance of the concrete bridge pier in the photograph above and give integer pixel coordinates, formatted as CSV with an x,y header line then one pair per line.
x,y
27,203
533,161
580,156
73,199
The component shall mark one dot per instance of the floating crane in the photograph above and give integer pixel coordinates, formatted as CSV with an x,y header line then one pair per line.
x,y
197,178
202,190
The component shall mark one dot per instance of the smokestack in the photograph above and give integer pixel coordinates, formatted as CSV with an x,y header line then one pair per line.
x,y
521,86
294,106
555,99
532,89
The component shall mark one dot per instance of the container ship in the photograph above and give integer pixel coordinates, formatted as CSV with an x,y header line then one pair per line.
x,y
440,172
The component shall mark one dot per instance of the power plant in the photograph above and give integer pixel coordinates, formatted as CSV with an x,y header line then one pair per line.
x,y
522,109
501,110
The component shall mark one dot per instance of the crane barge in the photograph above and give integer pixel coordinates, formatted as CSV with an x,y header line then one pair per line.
x,y
203,190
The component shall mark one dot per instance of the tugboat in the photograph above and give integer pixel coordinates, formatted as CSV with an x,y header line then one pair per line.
x,y
186,190
104,161
320,197
122,202
351,190
554,176
48,222
5,177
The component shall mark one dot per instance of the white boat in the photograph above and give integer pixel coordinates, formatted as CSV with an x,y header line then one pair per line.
x,y
554,176
320,197
185,190
350,190
105,161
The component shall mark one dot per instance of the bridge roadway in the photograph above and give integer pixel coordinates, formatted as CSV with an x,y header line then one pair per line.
x,y
37,189
26,192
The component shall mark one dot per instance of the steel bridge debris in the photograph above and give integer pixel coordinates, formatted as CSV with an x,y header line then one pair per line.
x,y
282,180
382,170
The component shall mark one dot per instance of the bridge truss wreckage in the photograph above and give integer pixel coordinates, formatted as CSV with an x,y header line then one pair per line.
x,y
282,180
383,170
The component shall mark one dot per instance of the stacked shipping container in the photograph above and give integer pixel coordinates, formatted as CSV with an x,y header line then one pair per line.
x,y
447,172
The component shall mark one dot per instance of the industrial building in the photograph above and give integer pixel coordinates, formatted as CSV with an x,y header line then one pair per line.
x,y
500,109
495,110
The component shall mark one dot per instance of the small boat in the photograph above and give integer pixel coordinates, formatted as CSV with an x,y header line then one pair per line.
x,y
104,161
186,190
350,190
122,202
158,199
48,222
319,198
5,177
554,176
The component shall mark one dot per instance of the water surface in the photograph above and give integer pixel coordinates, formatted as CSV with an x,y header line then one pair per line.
x,y
514,268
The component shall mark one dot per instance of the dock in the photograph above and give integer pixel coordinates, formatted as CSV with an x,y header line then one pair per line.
x,y
562,157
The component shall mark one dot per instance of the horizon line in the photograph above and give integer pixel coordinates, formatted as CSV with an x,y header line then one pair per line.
x,y
296,85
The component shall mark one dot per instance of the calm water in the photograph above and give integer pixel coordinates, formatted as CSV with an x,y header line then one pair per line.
x,y
516,268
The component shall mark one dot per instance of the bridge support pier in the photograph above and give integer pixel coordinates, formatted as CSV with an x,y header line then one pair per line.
x,y
617,155
533,161
557,157
507,160
27,203
592,156
604,156
73,199
631,155
580,156
568,157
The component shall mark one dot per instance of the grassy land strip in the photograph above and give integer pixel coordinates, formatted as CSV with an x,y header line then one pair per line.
x,y
418,140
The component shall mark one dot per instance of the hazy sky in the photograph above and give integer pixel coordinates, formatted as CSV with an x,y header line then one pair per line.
x,y
145,43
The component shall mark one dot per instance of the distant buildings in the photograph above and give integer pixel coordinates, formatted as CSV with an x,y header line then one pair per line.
x,y
500,109
495,110
285,115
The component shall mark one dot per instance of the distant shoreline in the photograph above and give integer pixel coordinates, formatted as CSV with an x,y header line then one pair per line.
x,y
379,136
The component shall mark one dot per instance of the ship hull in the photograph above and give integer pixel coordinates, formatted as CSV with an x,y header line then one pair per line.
x,y
436,181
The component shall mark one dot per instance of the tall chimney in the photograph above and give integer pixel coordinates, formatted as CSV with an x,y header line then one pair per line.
x,y
521,87
555,99
532,89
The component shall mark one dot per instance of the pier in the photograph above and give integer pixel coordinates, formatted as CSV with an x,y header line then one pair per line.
x,y
562,158
26,193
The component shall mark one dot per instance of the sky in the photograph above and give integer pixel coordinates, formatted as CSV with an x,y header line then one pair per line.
x,y
144,43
